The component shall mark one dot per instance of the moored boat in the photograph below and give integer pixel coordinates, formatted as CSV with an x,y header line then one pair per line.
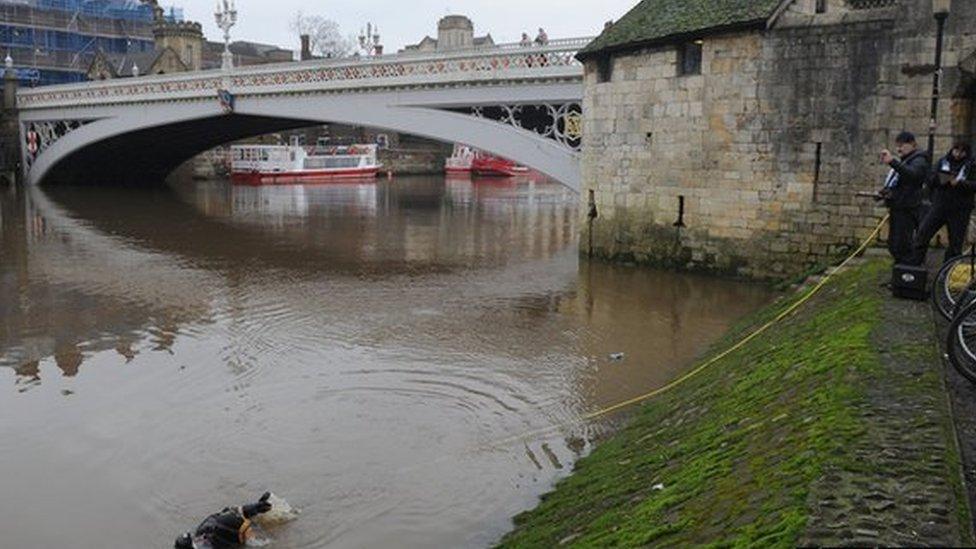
x,y
466,160
290,164
496,166
460,160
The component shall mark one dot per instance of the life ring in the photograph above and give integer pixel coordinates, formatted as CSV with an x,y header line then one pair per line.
x,y
32,138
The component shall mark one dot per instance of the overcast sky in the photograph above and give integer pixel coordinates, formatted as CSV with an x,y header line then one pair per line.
x,y
406,22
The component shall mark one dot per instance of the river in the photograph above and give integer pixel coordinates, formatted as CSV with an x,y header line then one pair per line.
x,y
366,351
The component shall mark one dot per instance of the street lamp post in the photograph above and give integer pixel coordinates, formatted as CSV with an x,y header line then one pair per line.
x,y
940,9
226,17
369,39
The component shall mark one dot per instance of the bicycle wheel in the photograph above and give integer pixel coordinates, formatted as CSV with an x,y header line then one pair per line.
x,y
961,342
953,279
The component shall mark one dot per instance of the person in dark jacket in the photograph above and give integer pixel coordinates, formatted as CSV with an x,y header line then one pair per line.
x,y
902,193
226,529
952,203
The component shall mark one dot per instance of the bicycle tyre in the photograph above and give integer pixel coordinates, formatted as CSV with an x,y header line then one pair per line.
x,y
961,342
946,290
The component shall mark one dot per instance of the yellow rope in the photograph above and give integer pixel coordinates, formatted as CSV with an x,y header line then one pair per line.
x,y
711,362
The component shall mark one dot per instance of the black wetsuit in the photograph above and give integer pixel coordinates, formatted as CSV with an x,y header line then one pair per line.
x,y
226,529
952,206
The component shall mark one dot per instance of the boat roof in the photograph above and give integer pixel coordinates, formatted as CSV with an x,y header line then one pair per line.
x,y
260,146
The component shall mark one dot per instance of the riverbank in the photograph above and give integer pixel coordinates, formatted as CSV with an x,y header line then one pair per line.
x,y
832,428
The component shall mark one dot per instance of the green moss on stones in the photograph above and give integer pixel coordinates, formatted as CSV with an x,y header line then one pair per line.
x,y
737,448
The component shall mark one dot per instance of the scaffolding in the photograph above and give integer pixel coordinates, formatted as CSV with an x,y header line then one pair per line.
x,y
55,41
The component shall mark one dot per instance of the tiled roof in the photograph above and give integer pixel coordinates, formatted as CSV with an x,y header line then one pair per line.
x,y
123,63
655,21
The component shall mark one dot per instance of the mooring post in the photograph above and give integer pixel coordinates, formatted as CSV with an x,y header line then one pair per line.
x,y
591,216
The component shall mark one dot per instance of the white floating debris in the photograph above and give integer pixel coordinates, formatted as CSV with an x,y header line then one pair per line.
x,y
280,513
617,356
657,487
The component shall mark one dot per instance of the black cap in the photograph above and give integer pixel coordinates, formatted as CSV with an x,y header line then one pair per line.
x,y
905,137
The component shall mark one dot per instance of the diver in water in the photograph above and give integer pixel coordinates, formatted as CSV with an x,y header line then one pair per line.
x,y
228,528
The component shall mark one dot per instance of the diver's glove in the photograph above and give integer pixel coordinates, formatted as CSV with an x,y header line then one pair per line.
x,y
184,542
261,507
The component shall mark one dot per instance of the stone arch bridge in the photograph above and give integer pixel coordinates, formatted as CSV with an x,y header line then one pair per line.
x,y
523,103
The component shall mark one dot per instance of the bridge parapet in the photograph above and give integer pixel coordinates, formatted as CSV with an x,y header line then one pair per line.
x,y
505,63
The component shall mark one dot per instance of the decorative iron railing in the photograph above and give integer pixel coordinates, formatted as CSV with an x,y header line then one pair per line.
x,y
556,60
870,4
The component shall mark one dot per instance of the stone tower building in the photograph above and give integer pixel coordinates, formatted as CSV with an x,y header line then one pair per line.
x,y
455,32
183,37
179,47
734,136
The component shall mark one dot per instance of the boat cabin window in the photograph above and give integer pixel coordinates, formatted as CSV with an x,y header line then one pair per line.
x,y
315,163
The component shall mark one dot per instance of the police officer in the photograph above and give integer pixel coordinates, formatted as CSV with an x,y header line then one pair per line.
x,y
226,529
952,203
902,193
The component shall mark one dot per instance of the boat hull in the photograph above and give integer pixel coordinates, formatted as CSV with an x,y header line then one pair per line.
x,y
305,176
494,167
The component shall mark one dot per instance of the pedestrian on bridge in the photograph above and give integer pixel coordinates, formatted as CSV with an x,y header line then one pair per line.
x,y
542,39
526,42
953,198
902,193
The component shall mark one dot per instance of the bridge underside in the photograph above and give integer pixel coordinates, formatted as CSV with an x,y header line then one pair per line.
x,y
140,145
147,157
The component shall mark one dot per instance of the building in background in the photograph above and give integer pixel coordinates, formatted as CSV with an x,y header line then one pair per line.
x,y
454,32
245,54
56,41
178,47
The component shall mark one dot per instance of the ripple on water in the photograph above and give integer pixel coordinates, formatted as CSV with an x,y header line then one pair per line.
x,y
393,358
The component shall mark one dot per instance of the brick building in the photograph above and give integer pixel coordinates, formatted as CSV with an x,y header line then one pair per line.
x,y
763,118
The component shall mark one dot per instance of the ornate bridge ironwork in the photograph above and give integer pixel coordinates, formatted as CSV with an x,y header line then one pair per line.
x,y
38,136
507,62
561,122
523,87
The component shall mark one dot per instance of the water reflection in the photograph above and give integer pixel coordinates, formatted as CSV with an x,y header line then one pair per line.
x,y
356,348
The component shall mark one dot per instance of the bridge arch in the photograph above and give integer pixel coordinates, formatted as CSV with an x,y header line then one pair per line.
x,y
131,143
150,125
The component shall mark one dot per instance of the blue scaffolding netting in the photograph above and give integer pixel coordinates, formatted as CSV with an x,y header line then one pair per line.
x,y
129,10
67,51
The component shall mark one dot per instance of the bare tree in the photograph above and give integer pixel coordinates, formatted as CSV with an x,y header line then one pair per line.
x,y
324,35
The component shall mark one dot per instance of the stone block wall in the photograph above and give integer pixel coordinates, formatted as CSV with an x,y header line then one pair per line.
x,y
769,145
403,161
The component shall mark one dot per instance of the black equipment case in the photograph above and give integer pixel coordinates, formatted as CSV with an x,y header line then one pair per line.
x,y
910,282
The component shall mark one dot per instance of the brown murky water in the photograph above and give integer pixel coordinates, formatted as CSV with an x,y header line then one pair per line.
x,y
358,349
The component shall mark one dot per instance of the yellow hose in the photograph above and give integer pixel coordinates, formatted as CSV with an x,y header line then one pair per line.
x,y
712,361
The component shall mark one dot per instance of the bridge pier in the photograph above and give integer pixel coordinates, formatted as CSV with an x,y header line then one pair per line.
x,y
9,128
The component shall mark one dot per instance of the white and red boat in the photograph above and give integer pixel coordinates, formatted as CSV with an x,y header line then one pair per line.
x,y
496,166
468,160
289,164
460,160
